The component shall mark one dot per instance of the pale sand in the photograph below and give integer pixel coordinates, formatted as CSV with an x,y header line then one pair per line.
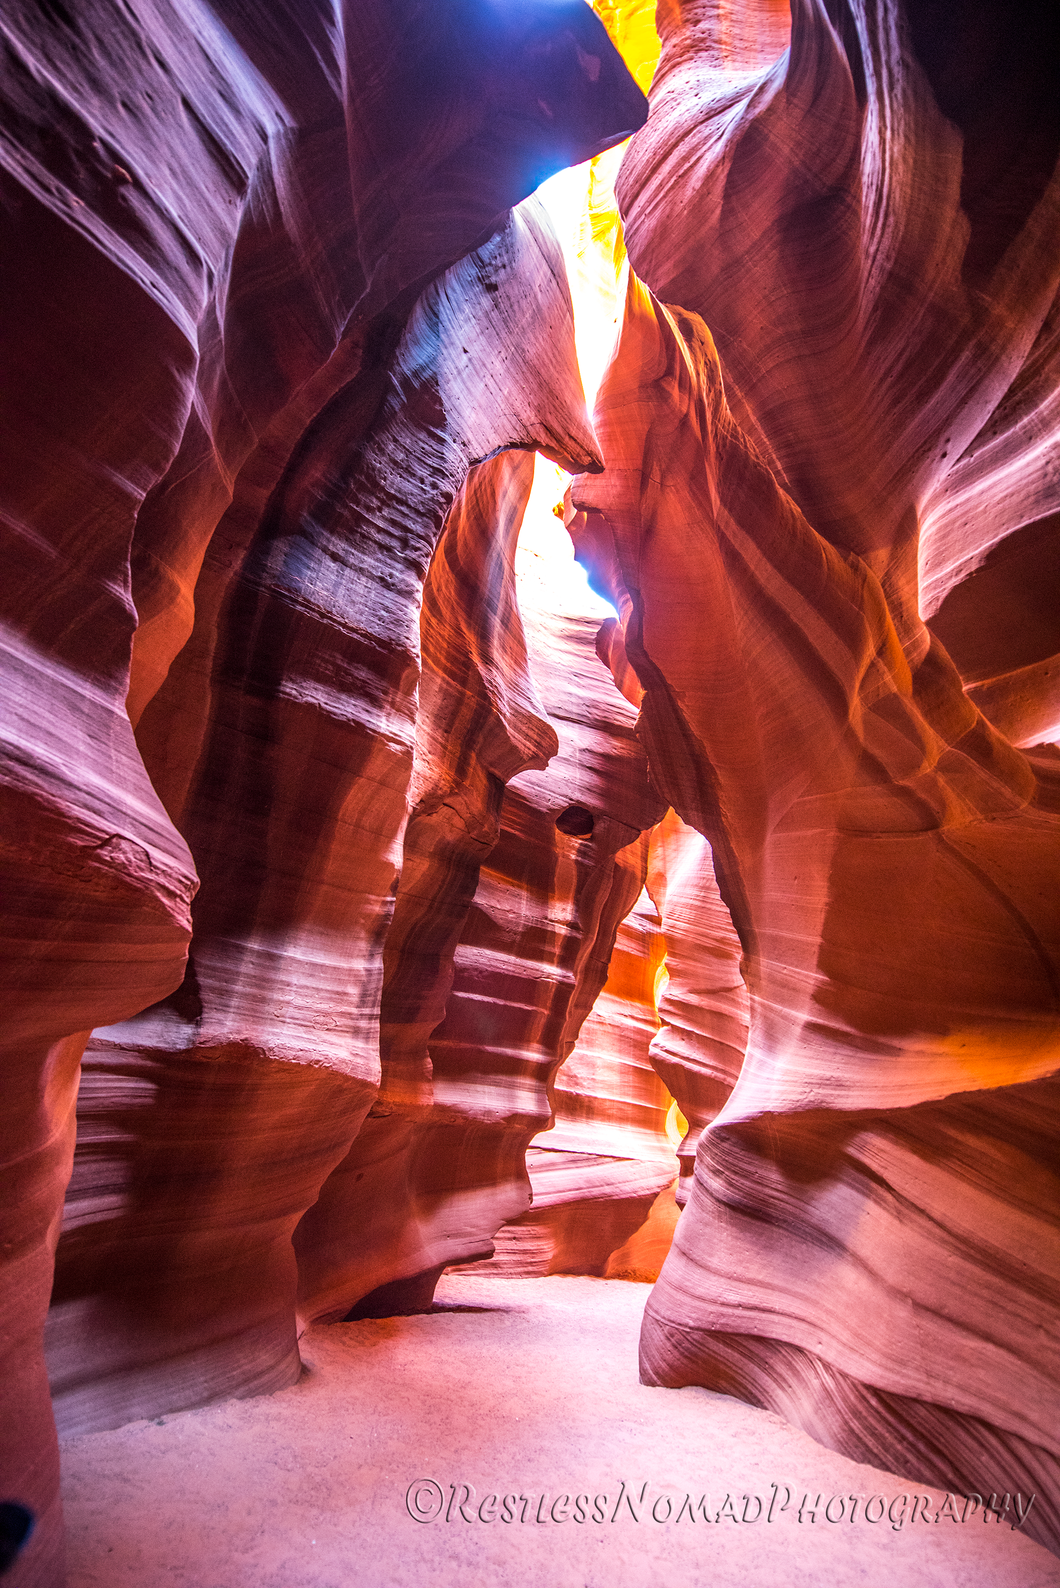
x,y
531,1389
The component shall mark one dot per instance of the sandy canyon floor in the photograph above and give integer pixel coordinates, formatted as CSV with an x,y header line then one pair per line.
x,y
510,1419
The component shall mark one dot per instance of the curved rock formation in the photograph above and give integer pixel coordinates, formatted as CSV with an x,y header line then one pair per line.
x,y
438,1165
555,860
702,1001
869,1246
281,352
601,1172
216,229
300,704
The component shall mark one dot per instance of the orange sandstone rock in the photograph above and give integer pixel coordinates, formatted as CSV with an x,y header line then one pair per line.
x,y
216,229
885,853
555,860
605,1162
702,1000
295,807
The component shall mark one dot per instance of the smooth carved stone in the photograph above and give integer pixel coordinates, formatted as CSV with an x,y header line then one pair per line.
x,y
597,1172
479,722
607,1098
503,923
883,854
295,809
43,1078
925,397
213,221
702,1002
314,670
1001,627
919,1260
608,1217
175,1275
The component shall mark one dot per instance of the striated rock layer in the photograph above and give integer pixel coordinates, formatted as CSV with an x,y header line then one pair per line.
x,y
488,979
479,721
702,1001
218,238
870,1246
601,1172
521,857
281,353
304,695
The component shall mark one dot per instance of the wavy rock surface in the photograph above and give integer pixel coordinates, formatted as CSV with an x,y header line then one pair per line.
x,y
214,226
601,1173
295,810
699,1048
271,343
503,927
870,1243
479,723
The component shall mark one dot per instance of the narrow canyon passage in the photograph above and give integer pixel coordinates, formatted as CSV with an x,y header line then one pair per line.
x,y
575,1046
525,1391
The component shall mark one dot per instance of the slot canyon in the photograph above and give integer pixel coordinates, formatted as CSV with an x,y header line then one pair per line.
x,y
531,789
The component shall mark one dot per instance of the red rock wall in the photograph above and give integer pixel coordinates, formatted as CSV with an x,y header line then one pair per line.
x,y
215,233
702,1001
503,922
869,1247
605,1162
271,346
305,730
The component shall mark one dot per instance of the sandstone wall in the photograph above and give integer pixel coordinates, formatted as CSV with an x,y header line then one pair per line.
x,y
869,1246
238,424
521,858
283,339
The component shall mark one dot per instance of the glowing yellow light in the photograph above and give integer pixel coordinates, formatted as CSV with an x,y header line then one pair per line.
x,y
676,1125
631,27
581,204
547,576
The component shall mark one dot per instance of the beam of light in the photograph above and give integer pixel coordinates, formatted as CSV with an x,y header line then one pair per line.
x,y
548,577
545,565
582,207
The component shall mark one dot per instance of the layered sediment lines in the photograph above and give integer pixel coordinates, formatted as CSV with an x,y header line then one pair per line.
x,y
503,924
870,1244
243,392
302,704
566,866
601,1172
702,999
284,339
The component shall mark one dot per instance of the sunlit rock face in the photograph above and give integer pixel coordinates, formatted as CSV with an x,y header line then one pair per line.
x,y
601,1172
259,328
282,347
295,809
523,853
302,706
479,722
702,1002
869,1247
